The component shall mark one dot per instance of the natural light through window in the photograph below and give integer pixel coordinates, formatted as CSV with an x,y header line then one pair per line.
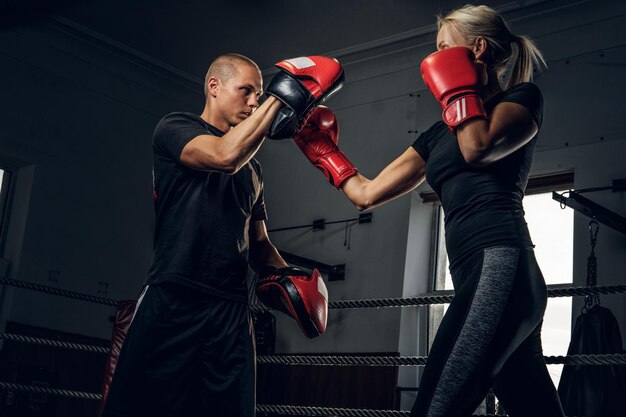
x,y
552,231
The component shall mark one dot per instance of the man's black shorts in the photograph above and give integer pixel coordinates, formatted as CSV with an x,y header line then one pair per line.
x,y
186,354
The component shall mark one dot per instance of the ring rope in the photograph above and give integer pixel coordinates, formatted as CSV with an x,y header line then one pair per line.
x,y
57,291
595,359
54,343
442,299
586,290
339,304
340,412
50,391
338,360
326,360
261,408
327,411
346,360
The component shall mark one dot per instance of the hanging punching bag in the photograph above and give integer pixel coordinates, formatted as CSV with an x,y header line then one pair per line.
x,y
594,390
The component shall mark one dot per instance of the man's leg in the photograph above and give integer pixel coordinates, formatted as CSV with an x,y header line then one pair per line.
x,y
229,362
155,374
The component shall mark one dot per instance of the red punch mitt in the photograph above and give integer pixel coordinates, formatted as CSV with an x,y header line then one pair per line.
x,y
298,294
302,84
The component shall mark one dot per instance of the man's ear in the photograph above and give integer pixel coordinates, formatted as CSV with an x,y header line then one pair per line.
x,y
213,85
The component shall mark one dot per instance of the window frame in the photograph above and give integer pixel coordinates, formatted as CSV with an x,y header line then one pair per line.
x,y
6,193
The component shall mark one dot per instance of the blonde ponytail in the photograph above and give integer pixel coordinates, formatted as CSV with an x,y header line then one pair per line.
x,y
528,57
510,56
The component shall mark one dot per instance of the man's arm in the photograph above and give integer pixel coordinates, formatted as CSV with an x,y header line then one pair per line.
x,y
262,252
302,83
233,150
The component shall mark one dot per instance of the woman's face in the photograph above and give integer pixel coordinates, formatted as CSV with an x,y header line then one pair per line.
x,y
449,37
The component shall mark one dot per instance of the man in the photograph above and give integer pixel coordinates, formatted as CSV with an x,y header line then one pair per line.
x,y
189,350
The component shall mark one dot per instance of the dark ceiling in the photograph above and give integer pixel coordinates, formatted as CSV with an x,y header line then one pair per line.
x,y
187,34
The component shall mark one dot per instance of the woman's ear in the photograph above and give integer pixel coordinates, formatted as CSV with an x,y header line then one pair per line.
x,y
480,48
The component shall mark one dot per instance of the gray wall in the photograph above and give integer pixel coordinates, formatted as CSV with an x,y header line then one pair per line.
x,y
76,122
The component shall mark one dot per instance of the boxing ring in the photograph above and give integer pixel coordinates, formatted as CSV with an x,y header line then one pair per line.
x,y
309,360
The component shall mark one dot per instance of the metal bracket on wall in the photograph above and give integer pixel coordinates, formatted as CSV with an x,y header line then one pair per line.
x,y
334,272
594,210
320,224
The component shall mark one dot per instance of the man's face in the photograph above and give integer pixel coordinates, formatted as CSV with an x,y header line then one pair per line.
x,y
239,96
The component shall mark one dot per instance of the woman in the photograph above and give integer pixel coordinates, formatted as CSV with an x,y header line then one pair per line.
x,y
477,160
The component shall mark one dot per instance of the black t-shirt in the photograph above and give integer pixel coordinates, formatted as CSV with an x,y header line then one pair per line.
x,y
202,217
482,205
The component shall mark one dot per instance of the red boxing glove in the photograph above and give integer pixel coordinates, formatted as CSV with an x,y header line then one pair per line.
x,y
302,84
455,79
318,142
297,294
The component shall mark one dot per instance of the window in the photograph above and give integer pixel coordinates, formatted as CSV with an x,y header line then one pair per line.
x,y
552,232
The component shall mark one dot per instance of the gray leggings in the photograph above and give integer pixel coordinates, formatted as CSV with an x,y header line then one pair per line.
x,y
491,337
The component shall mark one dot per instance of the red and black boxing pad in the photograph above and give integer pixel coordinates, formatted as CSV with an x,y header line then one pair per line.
x,y
298,294
302,84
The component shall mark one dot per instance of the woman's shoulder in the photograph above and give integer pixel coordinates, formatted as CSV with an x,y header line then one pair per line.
x,y
528,95
529,87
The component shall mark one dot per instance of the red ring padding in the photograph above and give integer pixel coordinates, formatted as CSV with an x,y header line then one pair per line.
x,y
123,317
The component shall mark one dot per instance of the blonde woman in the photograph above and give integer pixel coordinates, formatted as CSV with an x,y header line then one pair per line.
x,y
477,159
